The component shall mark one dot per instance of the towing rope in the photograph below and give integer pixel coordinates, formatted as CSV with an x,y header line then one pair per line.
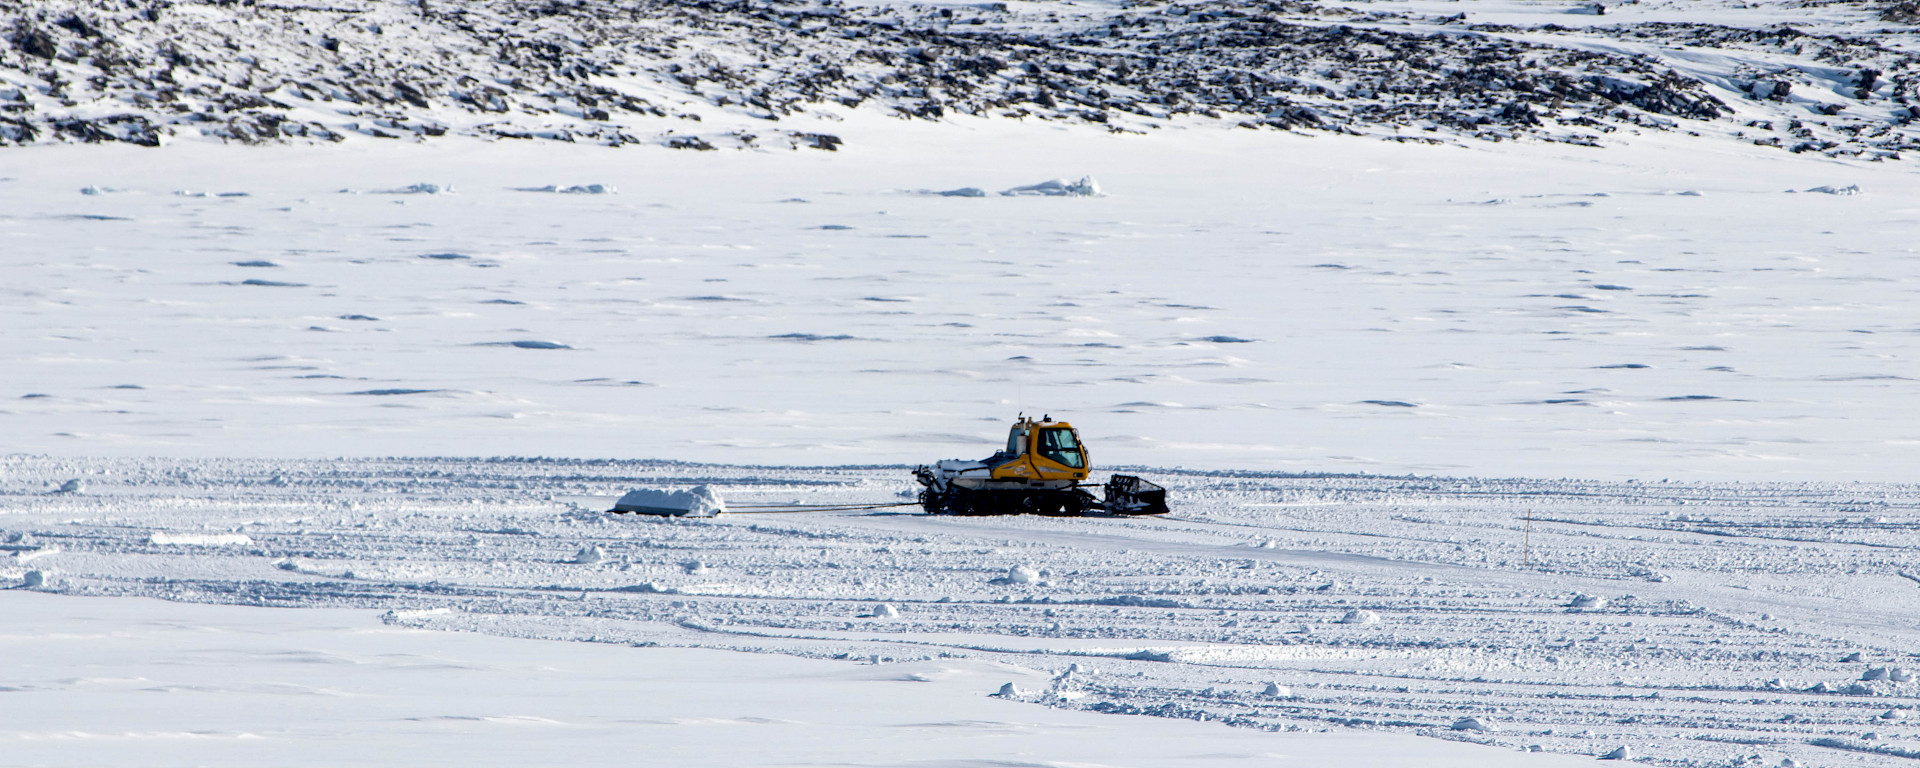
x,y
771,509
774,509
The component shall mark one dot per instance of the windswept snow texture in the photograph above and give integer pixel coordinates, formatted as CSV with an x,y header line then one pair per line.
x,y
153,684
1692,624
1235,301
1833,78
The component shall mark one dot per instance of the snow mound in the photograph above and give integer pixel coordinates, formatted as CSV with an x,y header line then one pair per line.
x,y
1828,189
1276,691
1010,691
72,486
882,611
1361,617
199,539
1020,574
1622,753
1587,602
699,501
1136,601
34,579
1475,724
422,188
573,189
589,555
1085,187
963,192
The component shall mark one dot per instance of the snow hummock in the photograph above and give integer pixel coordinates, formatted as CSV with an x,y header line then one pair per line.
x,y
1360,616
1621,753
1085,187
1021,574
1828,189
1587,602
1475,724
1276,691
698,501
573,189
589,555
420,188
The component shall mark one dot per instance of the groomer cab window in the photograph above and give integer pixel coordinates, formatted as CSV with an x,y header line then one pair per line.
x,y
1059,444
1017,441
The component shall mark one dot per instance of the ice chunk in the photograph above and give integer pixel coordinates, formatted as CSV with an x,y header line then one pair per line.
x,y
590,554
1621,753
1358,616
1019,574
37,579
1276,691
72,486
573,189
699,501
1588,602
963,192
422,188
1475,724
1009,691
882,611
1828,189
1085,187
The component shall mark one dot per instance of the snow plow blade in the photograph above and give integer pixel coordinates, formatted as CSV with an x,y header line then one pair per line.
x,y
1129,495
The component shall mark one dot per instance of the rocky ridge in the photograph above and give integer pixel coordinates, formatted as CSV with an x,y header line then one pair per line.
x,y
706,74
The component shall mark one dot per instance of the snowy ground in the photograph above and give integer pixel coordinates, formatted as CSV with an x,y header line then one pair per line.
x,y
1693,624
93,681
1246,314
1238,300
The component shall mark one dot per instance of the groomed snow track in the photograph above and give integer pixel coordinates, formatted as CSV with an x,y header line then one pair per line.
x,y
1697,624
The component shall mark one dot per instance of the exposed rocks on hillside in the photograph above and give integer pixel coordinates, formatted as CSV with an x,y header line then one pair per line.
x,y
646,71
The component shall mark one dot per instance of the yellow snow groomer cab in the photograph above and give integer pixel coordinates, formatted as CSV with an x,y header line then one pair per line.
x,y
1045,453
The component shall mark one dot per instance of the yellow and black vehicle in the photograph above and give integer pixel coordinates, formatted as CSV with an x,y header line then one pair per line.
x,y
1043,470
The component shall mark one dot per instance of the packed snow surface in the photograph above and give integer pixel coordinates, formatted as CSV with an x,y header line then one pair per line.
x,y
1246,301
138,682
1743,623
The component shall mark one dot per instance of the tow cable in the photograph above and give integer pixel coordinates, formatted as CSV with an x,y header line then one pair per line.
x,y
775,509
